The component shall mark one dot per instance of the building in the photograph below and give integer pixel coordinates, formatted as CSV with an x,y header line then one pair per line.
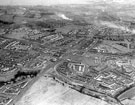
x,y
78,68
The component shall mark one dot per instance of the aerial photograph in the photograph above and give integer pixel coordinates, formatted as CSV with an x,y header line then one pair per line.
x,y
67,52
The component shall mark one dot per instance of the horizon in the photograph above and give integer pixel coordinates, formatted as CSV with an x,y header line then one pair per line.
x,y
42,2
58,2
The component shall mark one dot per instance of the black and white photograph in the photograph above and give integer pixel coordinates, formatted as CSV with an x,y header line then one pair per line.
x,y
67,52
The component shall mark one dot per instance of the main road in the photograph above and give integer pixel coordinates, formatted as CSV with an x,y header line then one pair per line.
x,y
49,65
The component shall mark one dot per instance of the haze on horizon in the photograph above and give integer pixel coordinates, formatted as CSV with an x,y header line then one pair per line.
x,y
41,2
55,2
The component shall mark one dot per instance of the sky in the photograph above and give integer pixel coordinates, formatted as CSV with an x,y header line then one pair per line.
x,y
41,2
53,2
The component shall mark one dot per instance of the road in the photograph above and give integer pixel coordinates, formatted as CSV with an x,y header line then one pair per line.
x,y
24,90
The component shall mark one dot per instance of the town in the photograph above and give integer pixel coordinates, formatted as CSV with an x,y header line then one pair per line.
x,y
95,60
